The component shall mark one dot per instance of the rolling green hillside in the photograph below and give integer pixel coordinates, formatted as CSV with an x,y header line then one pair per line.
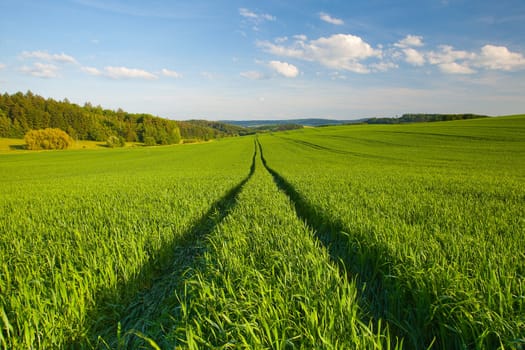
x,y
359,236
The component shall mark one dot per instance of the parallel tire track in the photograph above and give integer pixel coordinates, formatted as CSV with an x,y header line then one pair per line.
x,y
163,276
367,264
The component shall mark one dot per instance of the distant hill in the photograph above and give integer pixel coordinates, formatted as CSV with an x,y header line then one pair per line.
x,y
269,124
303,122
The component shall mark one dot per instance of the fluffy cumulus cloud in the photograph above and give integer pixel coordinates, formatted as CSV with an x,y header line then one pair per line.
x,y
447,54
171,74
120,73
407,46
351,53
285,69
452,61
413,57
500,58
329,19
410,41
456,68
41,70
45,56
339,51
347,52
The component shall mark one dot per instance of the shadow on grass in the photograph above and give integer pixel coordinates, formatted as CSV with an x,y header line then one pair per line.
x,y
150,303
414,307
381,296
17,147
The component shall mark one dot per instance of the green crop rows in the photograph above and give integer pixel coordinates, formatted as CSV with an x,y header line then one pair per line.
x,y
364,236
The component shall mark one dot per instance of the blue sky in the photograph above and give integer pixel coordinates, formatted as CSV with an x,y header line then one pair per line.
x,y
269,59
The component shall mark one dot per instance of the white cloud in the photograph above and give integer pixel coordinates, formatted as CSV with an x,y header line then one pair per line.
x,y
171,73
43,55
119,73
285,69
411,55
500,58
414,57
452,61
491,57
280,50
45,70
2,66
447,54
91,71
351,53
41,70
339,51
329,19
128,73
253,75
410,41
281,39
255,17
456,68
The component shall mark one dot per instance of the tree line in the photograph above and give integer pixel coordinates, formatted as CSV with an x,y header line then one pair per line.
x,y
20,113
423,117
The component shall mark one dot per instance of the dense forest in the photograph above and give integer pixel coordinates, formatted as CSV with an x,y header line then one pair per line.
x,y
20,113
422,117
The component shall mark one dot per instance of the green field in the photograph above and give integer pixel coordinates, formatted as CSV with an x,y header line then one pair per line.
x,y
363,236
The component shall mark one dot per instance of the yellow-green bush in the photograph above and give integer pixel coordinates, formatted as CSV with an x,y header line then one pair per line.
x,y
47,139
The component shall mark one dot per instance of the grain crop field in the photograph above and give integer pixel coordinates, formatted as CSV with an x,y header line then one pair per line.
x,y
429,217
360,236
82,232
